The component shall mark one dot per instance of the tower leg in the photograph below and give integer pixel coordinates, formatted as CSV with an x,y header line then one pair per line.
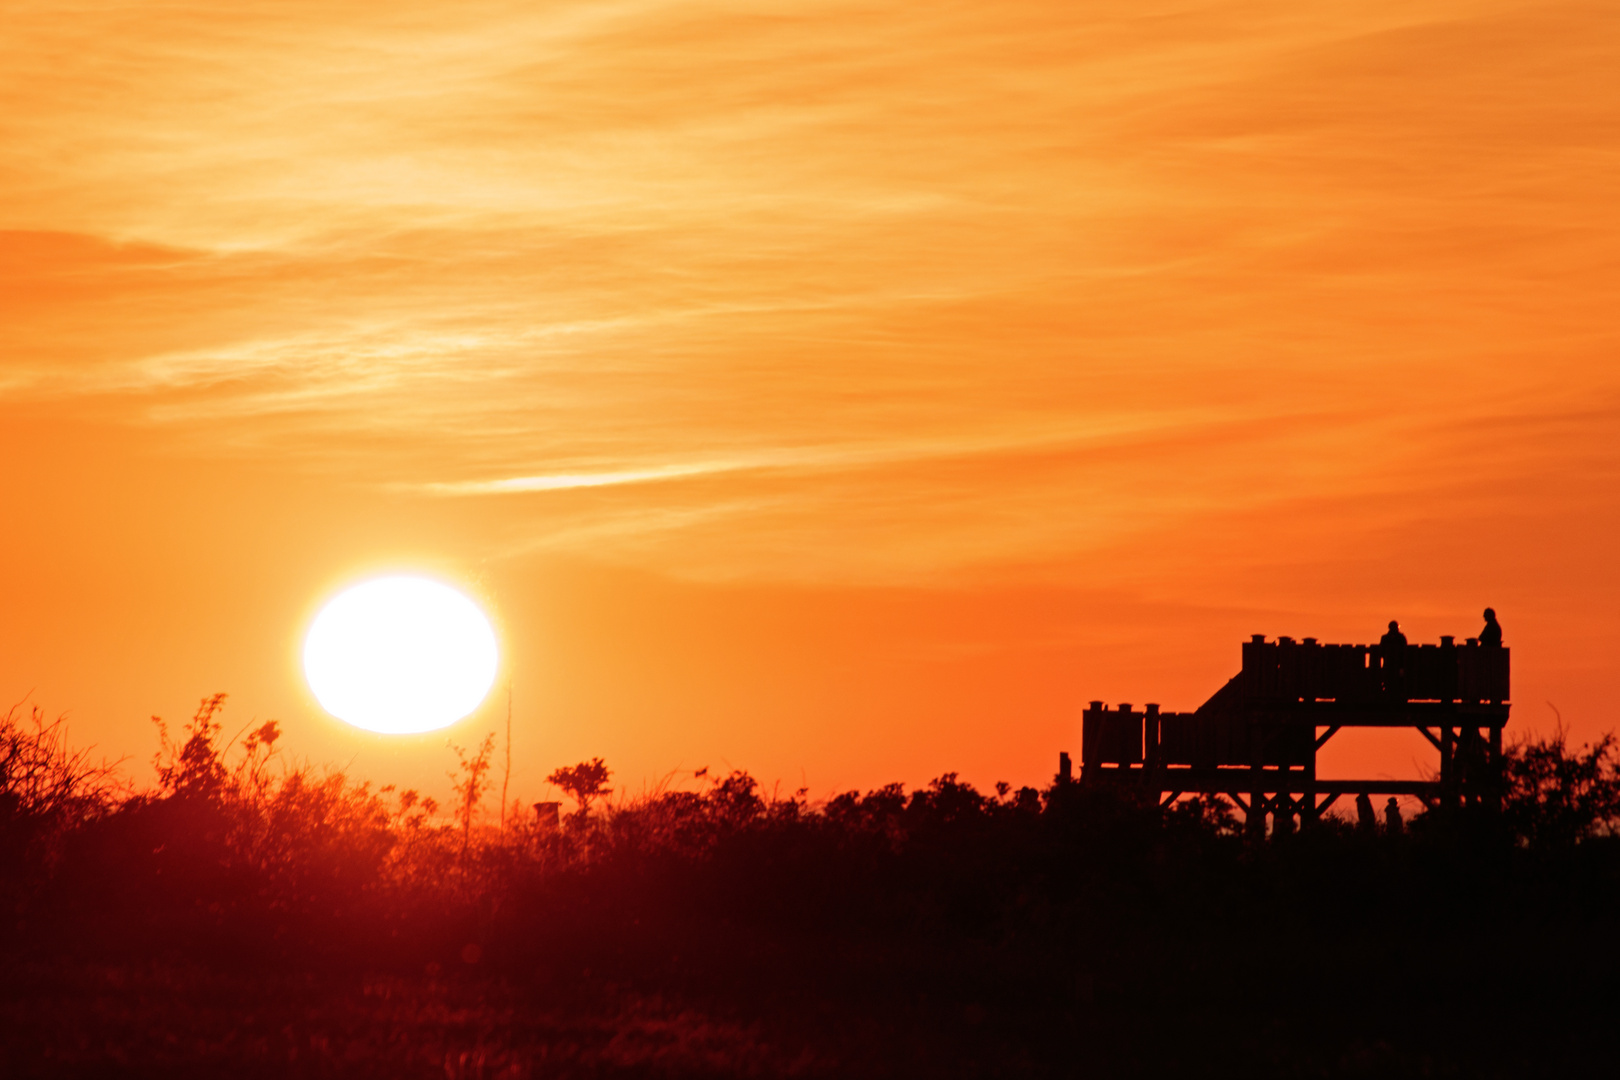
x,y
1255,822
1308,814
1448,767
1498,777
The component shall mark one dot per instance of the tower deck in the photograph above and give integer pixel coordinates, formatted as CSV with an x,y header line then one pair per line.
x,y
1256,739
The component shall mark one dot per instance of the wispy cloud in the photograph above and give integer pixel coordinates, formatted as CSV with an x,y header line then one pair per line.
x,y
573,481
817,283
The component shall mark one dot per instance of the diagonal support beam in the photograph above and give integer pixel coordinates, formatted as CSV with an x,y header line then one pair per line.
x,y
1327,802
1436,742
1322,739
1174,795
1235,797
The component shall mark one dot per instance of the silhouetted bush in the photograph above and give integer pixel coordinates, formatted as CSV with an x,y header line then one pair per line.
x,y
47,791
992,932
1555,796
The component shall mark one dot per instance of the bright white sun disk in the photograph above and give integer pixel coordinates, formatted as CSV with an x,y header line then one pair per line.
x,y
400,655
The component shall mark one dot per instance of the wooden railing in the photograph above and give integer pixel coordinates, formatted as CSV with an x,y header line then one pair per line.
x,y
1267,715
1289,670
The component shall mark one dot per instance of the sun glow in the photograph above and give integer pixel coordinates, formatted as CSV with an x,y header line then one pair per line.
x,y
399,655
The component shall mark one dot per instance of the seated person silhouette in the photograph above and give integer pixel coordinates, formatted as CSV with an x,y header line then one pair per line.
x,y
1492,634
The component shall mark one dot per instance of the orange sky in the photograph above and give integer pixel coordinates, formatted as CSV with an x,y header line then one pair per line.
x,y
846,392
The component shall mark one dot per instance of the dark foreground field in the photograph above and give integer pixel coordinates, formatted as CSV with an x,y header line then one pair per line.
x,y
239,920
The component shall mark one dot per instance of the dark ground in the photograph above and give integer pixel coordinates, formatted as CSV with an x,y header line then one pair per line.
x,y
1255,967
224,925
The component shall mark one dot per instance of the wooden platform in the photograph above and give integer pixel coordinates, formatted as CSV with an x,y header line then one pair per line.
x,y
1256,739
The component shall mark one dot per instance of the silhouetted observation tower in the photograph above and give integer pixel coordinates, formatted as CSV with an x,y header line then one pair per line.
x,y
1255,740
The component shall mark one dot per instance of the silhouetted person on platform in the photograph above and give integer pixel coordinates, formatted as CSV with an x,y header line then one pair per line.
x,y
1492,634
1392,646
1393,824
1366,817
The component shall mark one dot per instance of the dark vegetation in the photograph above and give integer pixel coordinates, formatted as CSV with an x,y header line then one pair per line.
x,y
246,918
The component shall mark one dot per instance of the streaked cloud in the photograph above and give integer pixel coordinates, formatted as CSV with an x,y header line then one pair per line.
x,y
570,482
826,288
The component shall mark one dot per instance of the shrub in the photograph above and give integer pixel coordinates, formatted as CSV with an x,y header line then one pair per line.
x,y
47,789
1555,796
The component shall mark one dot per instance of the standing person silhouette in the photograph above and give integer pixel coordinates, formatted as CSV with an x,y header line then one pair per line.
x,y
1492,634
1366,819
1393,824
1392,646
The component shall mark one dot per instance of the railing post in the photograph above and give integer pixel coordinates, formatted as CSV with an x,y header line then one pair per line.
x,y
1150,744
1091,741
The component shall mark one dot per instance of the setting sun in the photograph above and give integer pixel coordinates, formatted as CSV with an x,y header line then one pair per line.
x,y
399,655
